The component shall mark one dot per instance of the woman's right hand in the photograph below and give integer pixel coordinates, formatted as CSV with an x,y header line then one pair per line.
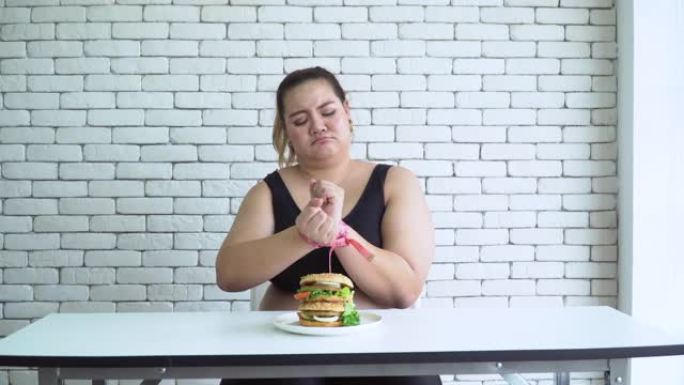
x,y
315,224
332,196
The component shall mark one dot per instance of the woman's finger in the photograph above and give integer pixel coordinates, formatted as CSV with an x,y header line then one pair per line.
x,y
314,223
315,202
305,216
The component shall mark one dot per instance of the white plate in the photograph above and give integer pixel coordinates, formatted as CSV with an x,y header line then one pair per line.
x,y
290,323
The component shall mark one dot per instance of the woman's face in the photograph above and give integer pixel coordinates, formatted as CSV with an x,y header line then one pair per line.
x,y
316,121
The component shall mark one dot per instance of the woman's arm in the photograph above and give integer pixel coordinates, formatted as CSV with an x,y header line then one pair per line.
x,y
397,272
252,253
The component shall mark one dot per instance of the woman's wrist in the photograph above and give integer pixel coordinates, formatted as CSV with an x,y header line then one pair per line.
x,y
301,239
343,238
355,240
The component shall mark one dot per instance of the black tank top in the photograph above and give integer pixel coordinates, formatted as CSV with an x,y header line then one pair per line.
x,y
365,218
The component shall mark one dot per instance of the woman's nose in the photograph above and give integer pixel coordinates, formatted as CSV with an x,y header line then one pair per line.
x,y
317,124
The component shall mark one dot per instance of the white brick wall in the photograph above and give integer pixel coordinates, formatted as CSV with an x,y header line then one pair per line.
x,y
129,134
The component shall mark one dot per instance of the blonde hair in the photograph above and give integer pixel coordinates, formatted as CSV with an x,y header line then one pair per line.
x,y
286,154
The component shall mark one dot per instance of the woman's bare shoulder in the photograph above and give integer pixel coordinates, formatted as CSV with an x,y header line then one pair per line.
x,y
363,167
401,183
286,171
257,195
261,188
288,174
364,163
400,176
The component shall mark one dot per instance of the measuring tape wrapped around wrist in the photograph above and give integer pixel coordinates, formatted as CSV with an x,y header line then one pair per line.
x,y
342,239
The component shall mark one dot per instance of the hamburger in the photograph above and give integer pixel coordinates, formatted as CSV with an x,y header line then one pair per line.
x,y
327,300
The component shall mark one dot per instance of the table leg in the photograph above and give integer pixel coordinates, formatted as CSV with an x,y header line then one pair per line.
x,y
562,378
618,372
49,376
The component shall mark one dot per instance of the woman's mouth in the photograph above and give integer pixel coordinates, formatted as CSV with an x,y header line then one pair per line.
x,y
322,140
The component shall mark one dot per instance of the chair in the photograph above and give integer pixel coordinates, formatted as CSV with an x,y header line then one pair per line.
x,y
256,294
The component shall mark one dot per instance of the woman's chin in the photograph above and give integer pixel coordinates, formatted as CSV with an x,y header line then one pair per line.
x,y
330,151
325,159
324,150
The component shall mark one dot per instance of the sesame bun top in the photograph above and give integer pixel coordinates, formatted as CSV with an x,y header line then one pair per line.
x,y
311,279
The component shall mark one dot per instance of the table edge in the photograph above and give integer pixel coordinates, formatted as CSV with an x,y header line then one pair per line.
x,y
342,359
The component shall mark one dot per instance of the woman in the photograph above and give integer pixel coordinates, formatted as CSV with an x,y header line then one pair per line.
x,y
304,203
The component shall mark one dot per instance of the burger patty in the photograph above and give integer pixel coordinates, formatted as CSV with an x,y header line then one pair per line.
x,y
322,306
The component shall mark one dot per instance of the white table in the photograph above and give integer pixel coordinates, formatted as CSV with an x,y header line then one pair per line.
x,y
155,346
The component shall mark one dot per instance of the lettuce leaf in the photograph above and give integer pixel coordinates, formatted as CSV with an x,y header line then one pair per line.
x,y
351,316
345,293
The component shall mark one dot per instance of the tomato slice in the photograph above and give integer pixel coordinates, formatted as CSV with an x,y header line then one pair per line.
x,y
302,295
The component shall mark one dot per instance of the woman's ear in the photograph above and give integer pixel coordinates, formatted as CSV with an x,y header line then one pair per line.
x,y
347,109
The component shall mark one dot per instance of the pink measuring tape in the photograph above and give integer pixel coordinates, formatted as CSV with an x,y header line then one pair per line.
x,y
341,240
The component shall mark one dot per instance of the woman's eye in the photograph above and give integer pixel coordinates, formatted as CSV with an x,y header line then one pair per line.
x,y
329,113
299,122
